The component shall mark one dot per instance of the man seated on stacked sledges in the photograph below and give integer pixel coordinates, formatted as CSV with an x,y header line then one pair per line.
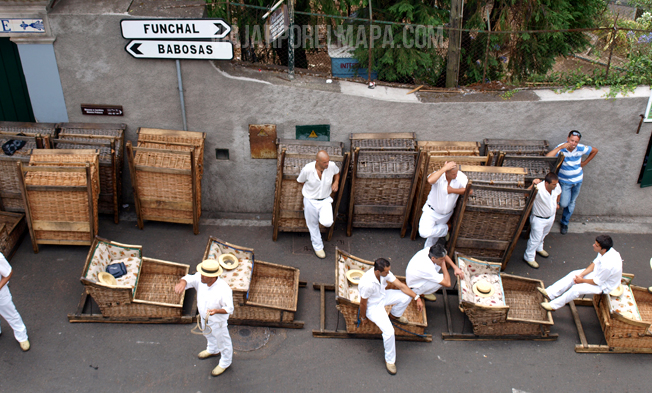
x,y
603,275
427,271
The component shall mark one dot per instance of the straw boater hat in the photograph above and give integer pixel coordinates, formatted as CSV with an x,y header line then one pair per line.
x,y
228,261
209,268
354,276
618,291
106,278
483,288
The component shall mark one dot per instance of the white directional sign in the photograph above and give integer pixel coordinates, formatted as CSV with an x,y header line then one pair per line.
x,y
174,28
182,50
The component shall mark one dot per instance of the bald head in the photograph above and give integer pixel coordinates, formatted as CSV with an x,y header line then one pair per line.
x,y
322,160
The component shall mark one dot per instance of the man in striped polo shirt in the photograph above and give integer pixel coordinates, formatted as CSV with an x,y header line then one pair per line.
x,y
570,173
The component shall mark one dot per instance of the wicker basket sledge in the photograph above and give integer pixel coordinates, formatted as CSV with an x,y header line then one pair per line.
x,y
430,163
109,140
450,148
347,298
515,147
42,133
166,170
383,185
12,228
293,155
513,309
536,167
495,176
145,292
626,320
487,224
61,189
384,141
264,294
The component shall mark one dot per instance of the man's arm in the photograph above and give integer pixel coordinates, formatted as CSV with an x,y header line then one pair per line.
x,y
594,151
579,279
181,286
363,309
336,183
458,191
534,183
555,151
448,165
446,282
456,270
5,280
406,290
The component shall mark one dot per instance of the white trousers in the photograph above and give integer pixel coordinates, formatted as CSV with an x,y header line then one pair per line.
x,y
317,212
377,314
433,225
540,227
10,314
427,288
565,291
219,341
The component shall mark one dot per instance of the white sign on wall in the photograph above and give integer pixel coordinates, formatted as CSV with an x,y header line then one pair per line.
x,y
174,28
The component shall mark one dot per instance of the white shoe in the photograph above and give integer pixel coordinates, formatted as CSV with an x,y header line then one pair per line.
x,y
205,354
320,254
25,346
217,371
546,306
543,253
430,296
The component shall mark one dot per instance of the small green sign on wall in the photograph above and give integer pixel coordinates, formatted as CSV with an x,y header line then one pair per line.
x,y
318,132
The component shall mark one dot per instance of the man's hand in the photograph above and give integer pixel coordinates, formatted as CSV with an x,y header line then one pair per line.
x,y
558,207
458,272
335,186
578,279
448,165
419,304
565,146
180,287
536,181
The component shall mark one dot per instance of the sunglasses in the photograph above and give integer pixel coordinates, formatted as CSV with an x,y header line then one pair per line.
x,y
576,133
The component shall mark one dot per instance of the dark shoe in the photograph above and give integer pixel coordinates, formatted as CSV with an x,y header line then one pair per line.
x,y
564,229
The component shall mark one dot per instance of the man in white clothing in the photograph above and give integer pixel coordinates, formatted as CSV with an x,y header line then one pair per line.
x,y
546,203
427,271
601,276
441,202
7,308
215,301
320,178
373,299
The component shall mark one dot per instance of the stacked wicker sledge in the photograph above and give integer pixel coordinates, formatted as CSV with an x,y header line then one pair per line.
x,y
435,155
488,221
264,293
36,136
383,180
60,189
144,295
166,170
293,155
108,139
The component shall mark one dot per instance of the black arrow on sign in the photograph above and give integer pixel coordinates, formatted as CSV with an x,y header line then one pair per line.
x,y
220,28
134,48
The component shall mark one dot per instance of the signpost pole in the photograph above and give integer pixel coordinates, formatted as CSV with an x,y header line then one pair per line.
x,y
183,105
291,41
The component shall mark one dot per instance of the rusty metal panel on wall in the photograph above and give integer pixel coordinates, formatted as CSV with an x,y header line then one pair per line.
x,y
262,140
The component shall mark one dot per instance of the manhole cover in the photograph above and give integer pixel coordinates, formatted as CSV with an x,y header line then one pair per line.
x,y
248,338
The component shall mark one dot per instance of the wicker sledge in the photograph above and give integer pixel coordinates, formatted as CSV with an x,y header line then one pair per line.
x,y
144,295
626,320
450,148
166,171
511,311
405,141
264,294
488,222
430,163
60,189
537,167
109,140
293,155
12,228
515,147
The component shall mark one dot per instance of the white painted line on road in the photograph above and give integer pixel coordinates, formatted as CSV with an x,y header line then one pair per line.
x,y
589,93
383,93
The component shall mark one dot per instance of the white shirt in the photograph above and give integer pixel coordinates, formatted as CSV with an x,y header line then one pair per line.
x,y
608,270
373,290
217,296
313,186
421,270
439,199
545,203
5,267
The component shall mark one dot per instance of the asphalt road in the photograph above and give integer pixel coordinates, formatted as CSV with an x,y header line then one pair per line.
x,y
87,357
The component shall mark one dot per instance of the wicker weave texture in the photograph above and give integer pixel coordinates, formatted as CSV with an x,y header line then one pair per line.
x,y
10,185
12,226
523,299
497,199
301,147
273,286
450,148
350,314
385,192
384,144
509,180
516,147
488,226
175,140
386,163
618,333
